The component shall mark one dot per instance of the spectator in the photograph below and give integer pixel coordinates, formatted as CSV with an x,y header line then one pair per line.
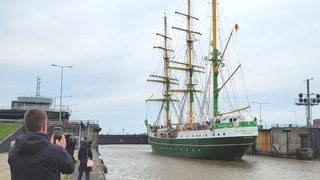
x,y
33,156
89,142
71,145
12,143
84,153
82,126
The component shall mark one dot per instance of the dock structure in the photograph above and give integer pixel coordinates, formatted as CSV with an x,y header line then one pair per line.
x,y
284,141
90,130
98,171
123,139
4,166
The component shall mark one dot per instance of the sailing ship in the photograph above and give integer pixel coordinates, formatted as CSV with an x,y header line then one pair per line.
x,y
198,133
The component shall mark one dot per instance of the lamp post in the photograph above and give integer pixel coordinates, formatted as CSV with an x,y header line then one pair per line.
x,y
260,103
308,103
62,67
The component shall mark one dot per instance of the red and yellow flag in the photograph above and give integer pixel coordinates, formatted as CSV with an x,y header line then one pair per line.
x,y
236,27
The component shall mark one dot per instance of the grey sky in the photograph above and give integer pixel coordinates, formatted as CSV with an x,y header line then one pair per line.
x,y
109,43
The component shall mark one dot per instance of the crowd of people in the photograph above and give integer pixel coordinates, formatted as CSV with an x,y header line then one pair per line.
x,y
34,155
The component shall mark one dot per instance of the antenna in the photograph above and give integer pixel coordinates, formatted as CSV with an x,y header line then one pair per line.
x,y
38,86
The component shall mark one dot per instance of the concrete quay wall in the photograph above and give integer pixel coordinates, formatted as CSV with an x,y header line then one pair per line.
x,y
284,141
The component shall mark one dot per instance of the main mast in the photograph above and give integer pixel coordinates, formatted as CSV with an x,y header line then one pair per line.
x,y
190,67
190,85
217,62
166,74
215,59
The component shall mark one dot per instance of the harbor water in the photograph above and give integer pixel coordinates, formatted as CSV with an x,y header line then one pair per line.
x,y
138,162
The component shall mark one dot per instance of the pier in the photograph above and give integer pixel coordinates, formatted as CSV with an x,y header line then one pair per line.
x,y
90,129
97,173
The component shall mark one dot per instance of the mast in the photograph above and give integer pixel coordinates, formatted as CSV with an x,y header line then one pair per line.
x,y
190,85
166,73
217,62
164,79
215,59
38,86
190,67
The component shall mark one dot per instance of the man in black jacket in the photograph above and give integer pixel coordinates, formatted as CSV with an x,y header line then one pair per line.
x,y
33,156
84,153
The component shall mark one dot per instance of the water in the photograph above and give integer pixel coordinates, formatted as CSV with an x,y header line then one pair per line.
x,y
138,162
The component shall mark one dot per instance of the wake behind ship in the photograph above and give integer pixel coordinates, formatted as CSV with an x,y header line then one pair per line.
x,y
189,122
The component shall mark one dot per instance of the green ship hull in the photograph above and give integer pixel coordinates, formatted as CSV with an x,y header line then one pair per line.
x,y
223,148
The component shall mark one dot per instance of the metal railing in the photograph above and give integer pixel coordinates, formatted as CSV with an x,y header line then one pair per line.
x,y
10,129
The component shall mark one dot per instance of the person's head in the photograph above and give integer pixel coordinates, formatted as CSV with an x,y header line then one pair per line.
x,y
35,120
67,136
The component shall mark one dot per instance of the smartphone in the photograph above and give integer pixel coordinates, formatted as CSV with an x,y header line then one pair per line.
x,y
57,133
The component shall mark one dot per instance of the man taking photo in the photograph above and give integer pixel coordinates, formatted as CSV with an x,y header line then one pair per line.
x,y
33,156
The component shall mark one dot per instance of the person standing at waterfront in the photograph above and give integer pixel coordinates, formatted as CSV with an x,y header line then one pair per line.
x,y
71,145
33,156
84,153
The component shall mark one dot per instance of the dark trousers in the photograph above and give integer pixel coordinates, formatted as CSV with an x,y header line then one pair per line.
x,y
87,175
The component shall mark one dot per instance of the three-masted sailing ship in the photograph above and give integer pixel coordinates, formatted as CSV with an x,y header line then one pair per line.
x,y
224,136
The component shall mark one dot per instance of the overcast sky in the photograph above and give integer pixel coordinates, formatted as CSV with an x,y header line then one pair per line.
x,y
110,44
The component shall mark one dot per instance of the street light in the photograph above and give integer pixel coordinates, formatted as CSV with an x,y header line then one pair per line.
x,y
260,103
61,85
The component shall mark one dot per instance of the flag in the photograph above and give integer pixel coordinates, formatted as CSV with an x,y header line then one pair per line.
x,y
236,27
